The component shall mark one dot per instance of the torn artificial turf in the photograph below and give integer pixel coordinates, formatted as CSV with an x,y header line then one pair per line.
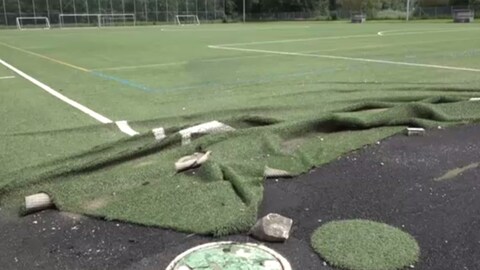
x,y
134,179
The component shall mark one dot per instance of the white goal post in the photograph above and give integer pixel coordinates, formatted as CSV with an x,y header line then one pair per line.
x,y
95,20
117,19
32,23
187,19
65,20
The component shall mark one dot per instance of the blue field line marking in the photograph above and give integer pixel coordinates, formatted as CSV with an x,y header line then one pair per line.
x,y
268,79
124,82
260,80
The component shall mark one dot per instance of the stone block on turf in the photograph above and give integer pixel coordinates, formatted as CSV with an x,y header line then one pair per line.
x,y
272,228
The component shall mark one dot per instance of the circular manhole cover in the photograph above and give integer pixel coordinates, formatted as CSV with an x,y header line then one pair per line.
x,y
230,256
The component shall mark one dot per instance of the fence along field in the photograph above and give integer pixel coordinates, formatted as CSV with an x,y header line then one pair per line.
x,y
165,11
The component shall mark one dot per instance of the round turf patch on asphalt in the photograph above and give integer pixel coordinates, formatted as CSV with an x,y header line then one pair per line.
x,y
365,245
230,256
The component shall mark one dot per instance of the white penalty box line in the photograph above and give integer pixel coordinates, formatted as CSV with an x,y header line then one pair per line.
x,y
122,125
334,57
387,33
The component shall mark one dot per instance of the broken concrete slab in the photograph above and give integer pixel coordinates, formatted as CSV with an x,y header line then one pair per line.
x,y
38,202
276,173
159,133
411,131
191,161
272,228
205,128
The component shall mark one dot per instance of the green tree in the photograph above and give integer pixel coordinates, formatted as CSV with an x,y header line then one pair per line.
x,y
459,2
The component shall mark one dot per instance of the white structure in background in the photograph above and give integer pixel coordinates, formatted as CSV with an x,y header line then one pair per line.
x,y
33,23
96,20
187,19
117,19
410,9
463,15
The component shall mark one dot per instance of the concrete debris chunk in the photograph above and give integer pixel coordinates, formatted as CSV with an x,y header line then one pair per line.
x,y
191,161
38,202
159,133
202,129
272,228
415,131
276,173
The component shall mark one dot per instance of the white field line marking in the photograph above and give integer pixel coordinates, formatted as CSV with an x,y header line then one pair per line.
x,y
293,40
7,77
141,66
340,37
335,49
197,28
56,94
125,128
221,59
256,56
399,31
347,58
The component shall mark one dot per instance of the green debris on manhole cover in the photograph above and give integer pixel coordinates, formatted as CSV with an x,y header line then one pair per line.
x,y
230,256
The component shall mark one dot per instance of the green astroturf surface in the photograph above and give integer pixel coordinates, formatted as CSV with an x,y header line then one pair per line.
x,y
365,245
291,112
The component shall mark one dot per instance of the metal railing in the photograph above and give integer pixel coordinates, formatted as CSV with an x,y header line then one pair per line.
x,y
164,11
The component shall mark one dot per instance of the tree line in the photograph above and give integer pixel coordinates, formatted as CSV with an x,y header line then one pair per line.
x,y
332,5
231,8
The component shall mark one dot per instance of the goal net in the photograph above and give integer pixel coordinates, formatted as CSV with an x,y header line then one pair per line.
x,y
463,15
96,20
32,23
117,20
358,17
79,20
187,20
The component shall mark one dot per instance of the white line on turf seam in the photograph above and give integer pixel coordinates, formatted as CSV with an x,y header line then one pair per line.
x,y
256,56
56,94
294,40
381,33
141,66
196,28
7,77
399,31
125,128
347,58
122,125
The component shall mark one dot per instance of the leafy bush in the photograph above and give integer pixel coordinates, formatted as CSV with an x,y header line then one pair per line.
x,y
389,14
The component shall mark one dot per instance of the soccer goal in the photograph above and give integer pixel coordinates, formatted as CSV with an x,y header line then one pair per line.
x,y
96,20
463,15
32,23
358,17
117,20
187,20
79,20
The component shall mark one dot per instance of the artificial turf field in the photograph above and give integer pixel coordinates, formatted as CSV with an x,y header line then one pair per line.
x,y
299,94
